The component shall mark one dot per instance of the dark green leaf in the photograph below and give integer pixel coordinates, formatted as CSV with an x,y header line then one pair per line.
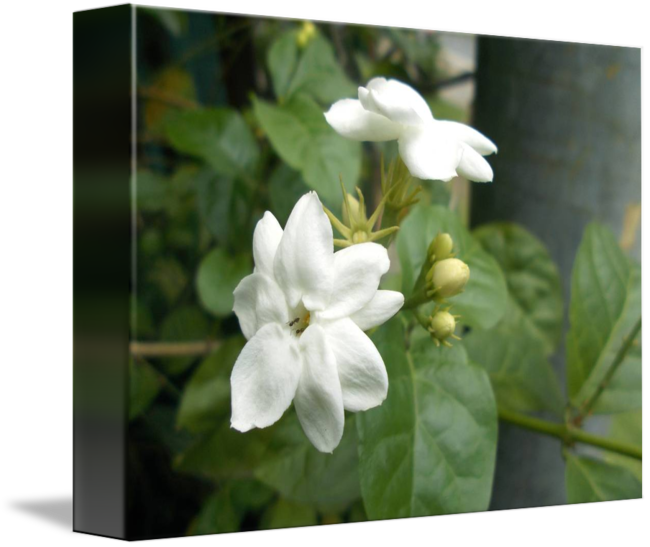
x,y
589,480
220,137
301,136
430,448
285,514
516,361
225,453
206,398
605,305
532,277
485,298
301,474
218,275
319,74
218,515
286,187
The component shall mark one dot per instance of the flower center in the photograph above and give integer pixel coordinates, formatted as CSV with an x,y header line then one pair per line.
x,y
299,324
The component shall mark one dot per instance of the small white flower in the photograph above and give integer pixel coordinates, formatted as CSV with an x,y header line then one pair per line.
x,y
431,149
303,311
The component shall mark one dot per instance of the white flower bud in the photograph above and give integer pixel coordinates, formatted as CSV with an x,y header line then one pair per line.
x,y
449,278
441,247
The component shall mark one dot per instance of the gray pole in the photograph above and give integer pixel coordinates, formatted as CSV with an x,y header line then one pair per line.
x,y
567,120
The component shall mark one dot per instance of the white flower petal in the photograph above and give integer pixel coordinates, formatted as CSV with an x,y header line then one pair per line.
x,y
258,301
352,121
319,402
398,102
429,154
266,239
357,272
380,309
361,369
470,136
473,166
303,262
264,379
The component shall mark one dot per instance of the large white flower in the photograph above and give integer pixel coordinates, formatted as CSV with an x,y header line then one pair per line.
x,y
431,149
303,311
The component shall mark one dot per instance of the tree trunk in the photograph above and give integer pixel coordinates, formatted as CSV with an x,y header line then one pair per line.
x,y
567,121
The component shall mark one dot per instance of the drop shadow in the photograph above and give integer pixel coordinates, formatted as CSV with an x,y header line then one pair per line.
x,y
57,511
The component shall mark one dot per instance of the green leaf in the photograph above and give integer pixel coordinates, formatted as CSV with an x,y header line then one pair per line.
x,y
430,448
532,277
605,305
250,495
284,514
328,482
218,136
218,515
627,428
144,386
303,139
485,298
206,398
319,74
286,187
589,480
225,453
521,375
218,275
223,204
186,324
282,60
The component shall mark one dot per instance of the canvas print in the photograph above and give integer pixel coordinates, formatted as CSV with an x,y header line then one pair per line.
x,y
379,273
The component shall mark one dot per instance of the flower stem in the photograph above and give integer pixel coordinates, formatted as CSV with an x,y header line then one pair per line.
x,y
588,405
569,435
416,300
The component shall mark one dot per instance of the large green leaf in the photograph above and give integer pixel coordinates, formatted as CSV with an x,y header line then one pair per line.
x,y
329,482
285,514
605,306
319,74
589,480
223,204
516,361
301,136
286,187
485,298
224,453
218,275
532,277
186,324
282,60
206,397
218,514
627,427
430,448
218,136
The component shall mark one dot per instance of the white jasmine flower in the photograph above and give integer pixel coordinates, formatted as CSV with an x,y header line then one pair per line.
x,y
431,149
303,311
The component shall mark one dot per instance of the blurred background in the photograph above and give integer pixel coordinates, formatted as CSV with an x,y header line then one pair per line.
x,y
217,145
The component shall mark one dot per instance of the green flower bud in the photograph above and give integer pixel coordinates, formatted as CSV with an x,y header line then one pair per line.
x,y
443,327
448,278
441,247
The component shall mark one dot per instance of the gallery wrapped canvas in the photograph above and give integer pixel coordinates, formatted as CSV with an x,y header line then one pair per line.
x,y
330,273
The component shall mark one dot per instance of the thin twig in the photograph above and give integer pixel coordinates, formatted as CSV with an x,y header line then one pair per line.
x,y
173,349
